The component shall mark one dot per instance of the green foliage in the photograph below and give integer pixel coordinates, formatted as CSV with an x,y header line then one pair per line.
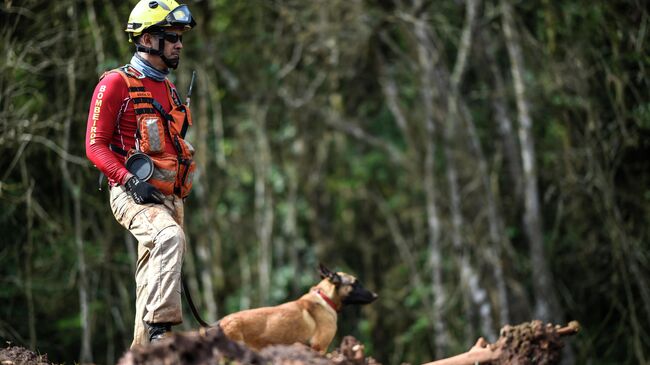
x,y
291,115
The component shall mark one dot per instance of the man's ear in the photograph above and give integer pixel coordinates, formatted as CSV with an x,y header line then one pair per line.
x,y
147,40
333,277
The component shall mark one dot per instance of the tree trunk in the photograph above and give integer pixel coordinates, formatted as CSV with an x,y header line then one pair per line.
x,y
110,328
469,277
204,257
29,251
122,310
506,132
290,226
263,203
405,253
492,253
116,27
75,194
426,59
98,40
501,243
86,340
207,266
546,307
246,278
217,120
389,89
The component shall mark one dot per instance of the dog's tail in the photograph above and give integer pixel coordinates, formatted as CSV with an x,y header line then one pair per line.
x,y
190,303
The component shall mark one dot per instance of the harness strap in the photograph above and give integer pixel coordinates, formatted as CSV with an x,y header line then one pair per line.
x,y
119,150
186,125
142,100
144,105
140,111
159,108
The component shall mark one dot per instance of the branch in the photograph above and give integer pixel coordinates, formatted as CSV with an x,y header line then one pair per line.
x,y
389,88
231,80
479,353
465,45
295,58
308,94
543,340
357,132
395,48
54,147
401,243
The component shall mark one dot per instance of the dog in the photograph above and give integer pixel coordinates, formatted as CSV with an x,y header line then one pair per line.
x,y
310,320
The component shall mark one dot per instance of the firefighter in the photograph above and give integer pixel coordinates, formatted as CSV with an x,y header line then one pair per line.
x,y
134,136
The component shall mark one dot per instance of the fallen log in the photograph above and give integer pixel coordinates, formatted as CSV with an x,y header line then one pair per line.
x,y
527,343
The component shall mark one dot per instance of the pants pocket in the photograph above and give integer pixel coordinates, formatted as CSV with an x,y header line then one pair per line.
x,y
123,207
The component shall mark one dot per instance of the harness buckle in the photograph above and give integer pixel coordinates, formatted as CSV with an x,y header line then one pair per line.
x,y
132,71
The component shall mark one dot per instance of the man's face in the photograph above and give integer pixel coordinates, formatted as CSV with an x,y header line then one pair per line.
x,y
172,44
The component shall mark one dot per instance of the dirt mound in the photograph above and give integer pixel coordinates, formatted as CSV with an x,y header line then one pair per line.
x,y
530,343
351,352
203,347
213,347
14,355
293,355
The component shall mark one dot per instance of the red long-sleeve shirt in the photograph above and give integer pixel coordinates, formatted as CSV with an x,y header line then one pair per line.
x,y
112,120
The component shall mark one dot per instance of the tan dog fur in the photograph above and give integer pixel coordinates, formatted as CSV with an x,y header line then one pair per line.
x,y
309,320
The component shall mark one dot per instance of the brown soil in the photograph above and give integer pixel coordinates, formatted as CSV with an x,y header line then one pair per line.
x,y
530,343
14,355
212,347
527,343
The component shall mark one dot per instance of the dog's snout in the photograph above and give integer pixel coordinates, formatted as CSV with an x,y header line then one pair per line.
x,y
373,297
360,295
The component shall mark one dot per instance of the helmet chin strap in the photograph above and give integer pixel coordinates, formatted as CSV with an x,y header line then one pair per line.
x,y
173,64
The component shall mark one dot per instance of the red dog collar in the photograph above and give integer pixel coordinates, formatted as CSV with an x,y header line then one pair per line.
x,y
327,299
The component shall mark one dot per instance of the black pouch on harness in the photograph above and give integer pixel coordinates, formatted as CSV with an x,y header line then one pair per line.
x,y
140,165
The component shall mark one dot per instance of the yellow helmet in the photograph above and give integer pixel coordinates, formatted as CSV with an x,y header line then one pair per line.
x,y
158,13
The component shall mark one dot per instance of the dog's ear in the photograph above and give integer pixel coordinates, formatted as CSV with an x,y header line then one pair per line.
x,y
324,272
333,277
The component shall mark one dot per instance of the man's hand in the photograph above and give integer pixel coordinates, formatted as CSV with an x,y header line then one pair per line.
x,y
142,192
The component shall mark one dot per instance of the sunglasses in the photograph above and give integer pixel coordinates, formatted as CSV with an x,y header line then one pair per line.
x,y
171,37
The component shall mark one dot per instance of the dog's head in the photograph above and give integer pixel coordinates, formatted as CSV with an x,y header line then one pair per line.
x,y
348,288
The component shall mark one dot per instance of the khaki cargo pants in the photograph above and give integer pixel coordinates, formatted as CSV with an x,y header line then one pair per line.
x,y
161,246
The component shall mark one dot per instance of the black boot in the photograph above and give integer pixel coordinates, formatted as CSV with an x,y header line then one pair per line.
x,y
158,331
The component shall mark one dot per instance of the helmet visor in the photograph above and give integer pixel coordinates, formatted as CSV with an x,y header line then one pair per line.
x,y
180,16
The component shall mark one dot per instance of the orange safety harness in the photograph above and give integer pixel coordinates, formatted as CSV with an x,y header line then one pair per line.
x,y
173,174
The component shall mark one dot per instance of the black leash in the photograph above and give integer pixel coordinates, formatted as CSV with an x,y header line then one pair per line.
x,y
190,302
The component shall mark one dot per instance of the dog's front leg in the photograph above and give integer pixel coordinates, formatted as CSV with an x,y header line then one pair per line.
x,y
317,347
321,340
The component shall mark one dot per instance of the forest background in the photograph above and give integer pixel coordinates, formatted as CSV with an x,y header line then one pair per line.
x,y
475,162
